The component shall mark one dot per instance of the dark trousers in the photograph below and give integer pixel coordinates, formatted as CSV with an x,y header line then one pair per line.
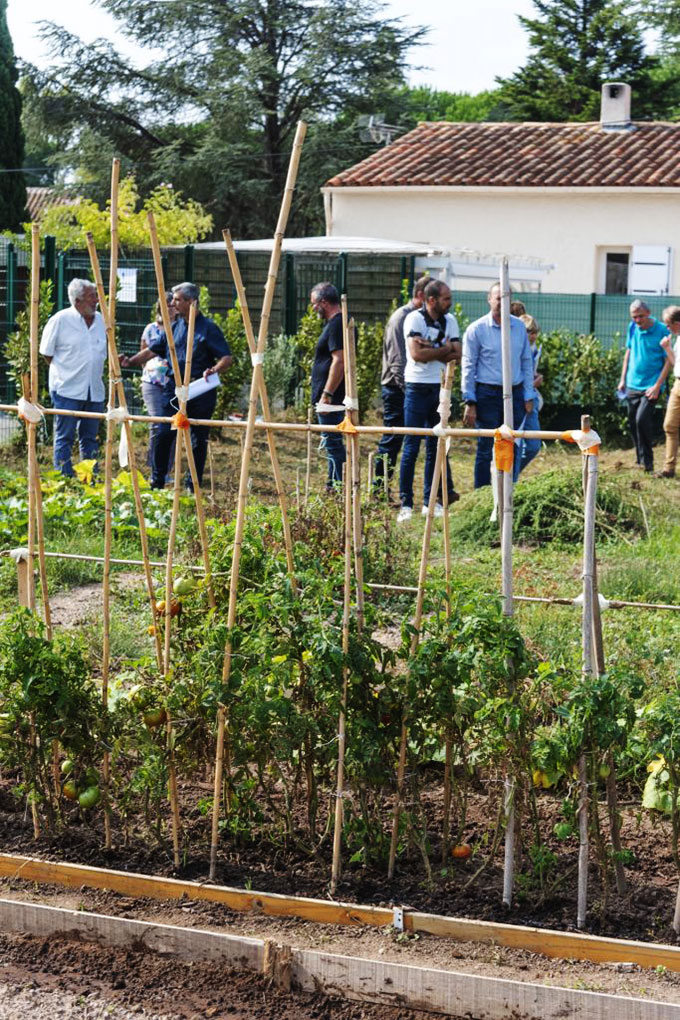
x,y
490,416
334,445
199,407
640,420
389,446
420,411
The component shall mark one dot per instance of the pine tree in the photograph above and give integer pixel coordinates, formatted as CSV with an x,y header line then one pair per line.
x,y
577,45
12,185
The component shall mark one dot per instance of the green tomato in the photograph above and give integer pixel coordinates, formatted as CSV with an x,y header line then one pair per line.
x,y
604,771
184,586
67,767
563,830
91,777
90,797
155,717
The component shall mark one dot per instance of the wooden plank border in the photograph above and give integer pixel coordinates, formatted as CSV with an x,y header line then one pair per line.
x,y
547,942
436,991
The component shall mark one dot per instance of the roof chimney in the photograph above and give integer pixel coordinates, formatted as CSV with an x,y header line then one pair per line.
x,y
615,108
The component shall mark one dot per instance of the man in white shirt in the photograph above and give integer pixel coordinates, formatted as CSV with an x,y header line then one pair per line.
x,y
432,340
74,346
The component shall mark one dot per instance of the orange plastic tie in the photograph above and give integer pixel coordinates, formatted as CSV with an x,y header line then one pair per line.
x,y
592,451
346,425
179,421
567,437
504,451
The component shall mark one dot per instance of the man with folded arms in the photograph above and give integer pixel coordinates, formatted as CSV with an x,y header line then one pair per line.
x,y
482,379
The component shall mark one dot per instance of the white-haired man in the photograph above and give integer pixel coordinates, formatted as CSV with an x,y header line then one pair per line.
x,y
74,346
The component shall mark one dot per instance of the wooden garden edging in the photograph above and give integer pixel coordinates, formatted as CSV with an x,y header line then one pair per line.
x,y
446,992
545,941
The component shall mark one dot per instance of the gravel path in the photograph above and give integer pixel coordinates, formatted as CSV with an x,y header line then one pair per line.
x,y
23,998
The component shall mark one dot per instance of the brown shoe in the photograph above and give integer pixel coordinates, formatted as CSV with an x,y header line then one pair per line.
x,y
665,474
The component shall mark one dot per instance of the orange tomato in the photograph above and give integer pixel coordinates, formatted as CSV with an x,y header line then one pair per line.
x,y
461,851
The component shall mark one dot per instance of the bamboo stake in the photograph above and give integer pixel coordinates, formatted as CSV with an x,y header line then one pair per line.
x,y
370,475
264,399
30,574
448,740
185,439
127,425
418,617
506,485
590,496
255,386
108,490
340,780
352,395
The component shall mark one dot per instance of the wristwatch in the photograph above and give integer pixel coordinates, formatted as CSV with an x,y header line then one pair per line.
x,y
327,393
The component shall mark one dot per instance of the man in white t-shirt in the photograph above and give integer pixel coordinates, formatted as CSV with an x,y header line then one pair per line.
x,y
74,346
432,340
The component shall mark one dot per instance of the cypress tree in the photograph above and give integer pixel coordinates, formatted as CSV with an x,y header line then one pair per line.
x,y
12,185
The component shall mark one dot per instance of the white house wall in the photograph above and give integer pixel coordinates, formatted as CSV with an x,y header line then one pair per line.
x,y
571,228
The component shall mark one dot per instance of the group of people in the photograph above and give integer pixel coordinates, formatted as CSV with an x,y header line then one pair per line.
x,y
421,338
75,347
652,351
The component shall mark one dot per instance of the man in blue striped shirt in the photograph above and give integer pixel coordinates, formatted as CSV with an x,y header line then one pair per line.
x,y
482,379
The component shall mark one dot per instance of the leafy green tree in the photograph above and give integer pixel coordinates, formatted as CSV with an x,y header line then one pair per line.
x,y
576,45
12,184
216,115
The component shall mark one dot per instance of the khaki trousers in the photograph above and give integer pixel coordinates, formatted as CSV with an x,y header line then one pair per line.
x,y
671,426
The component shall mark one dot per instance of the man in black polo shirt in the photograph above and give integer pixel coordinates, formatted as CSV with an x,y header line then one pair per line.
x,y
328,376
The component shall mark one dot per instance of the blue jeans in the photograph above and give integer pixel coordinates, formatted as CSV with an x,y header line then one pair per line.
x,y
334,445
389,446
155,401
199,407
526,449
420,411
65,431
490,416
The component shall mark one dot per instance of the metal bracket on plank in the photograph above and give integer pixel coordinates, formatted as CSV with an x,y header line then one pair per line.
x,y
398,918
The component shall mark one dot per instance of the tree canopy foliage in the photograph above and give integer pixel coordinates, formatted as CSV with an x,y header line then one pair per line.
x,y
576,45
12,184
178,221
215,109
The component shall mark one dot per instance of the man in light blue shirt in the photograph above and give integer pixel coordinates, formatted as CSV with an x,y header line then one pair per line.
x,y
644,371
482,379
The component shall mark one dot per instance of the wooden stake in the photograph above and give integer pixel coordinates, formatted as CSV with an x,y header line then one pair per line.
x,y
185,438
264,399
122,401
354,475
257,383
418,619
308,466
506,480
590,468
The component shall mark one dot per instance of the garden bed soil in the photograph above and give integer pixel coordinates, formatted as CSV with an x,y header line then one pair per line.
x,y
158,987
271,865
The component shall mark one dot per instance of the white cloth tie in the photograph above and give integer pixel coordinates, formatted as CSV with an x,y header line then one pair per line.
x,y
182,393
586,440
351,403
256,358
31,412
604,603
322,408
19,555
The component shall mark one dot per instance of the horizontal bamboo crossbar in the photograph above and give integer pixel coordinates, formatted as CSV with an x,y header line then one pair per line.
x,y
550,601
546,942
445,992
293,426
100,559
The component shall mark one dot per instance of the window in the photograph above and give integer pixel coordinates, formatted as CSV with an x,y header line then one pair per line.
x,y
616,273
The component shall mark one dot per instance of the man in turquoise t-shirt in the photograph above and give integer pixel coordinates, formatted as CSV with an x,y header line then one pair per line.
x,y
645,367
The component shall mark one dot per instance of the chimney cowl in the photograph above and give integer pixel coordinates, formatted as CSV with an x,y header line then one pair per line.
x,y
615,107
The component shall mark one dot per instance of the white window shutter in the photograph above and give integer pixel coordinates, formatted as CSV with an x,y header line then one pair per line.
x,y
650,269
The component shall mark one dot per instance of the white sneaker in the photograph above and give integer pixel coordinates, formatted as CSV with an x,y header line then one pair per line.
x,y
438,510
405,514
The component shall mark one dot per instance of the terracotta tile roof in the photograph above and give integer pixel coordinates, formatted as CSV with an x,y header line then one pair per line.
x,y
40,199
523,155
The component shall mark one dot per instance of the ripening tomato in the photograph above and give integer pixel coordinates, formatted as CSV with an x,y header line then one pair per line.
x,y
461,851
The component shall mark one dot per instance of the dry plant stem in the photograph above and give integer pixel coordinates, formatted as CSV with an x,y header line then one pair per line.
x,y
211,473
172,790
120,393
256,386
446,825
506,502
167,327
346,610
417,620
264,399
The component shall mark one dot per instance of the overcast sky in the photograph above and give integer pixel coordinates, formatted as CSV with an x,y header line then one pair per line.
x,y
470,41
